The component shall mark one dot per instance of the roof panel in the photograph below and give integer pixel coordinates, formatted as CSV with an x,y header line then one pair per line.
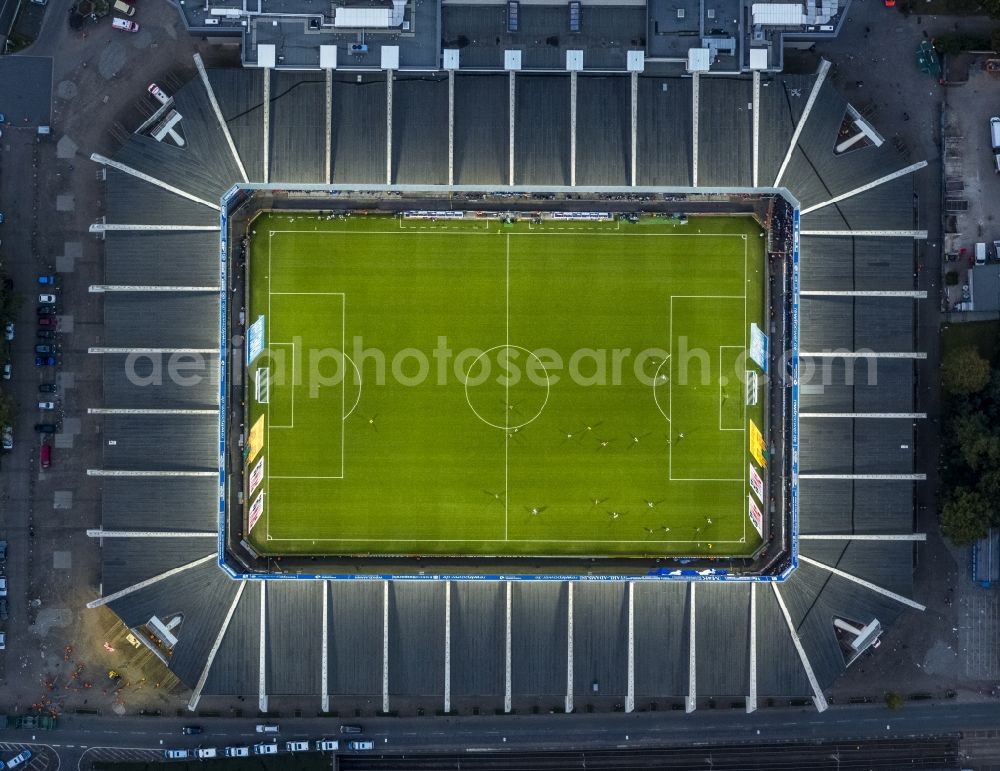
x,y
359,126
481,129
541,144
416,638
294,637
664,131
725,138
600,637
173,503
298,127
661,632
538,632
354,648
478,633
420,129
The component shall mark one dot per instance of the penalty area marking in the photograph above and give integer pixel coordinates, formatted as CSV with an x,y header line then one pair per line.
x,y
357,401
724,381
656,379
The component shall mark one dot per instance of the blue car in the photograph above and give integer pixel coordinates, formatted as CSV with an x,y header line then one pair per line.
x,y
49,280
45,361
42,348
17,760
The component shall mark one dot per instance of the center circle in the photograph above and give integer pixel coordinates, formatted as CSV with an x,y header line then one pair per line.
x,y
501,391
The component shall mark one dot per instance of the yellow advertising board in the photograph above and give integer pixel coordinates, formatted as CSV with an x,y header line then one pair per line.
x,y
256,442
758,449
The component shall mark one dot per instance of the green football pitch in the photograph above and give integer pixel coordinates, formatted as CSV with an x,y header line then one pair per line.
x,y
479,388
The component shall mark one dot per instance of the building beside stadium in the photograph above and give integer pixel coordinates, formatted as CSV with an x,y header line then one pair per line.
x,y
727,37
837,204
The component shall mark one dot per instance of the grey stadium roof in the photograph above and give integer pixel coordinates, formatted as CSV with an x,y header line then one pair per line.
x,y
509,644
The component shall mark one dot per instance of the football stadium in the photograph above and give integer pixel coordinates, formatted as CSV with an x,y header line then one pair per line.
x,y
473,392
554,422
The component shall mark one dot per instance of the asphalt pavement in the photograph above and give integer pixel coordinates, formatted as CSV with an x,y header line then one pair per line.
x,y
77,734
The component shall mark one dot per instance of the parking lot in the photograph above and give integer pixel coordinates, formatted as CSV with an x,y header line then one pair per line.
x,y
972,184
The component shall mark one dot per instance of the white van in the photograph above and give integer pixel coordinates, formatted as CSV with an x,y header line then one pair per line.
x,y
125,8
205,753
297,746
995,133
236,752
981,253
266,729
266,749
327,745
124,24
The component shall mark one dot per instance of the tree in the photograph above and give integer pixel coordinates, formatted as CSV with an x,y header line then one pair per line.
x,y
894,700
964,371
980,449
965,517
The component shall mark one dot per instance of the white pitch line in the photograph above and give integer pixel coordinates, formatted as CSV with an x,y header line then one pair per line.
x,y
506,416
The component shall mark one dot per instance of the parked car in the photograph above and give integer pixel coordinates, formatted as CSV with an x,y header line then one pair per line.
x,y
236,752
206,753
17,760
45,334
46,320
297,746
46,456
47,388
45,428
6,371
175,754
3,586
45,361
3,641
360,745
125,25
46,309
327,745
8,439
44,348
47,299
3,551
48,280
8,331
266,749
3,609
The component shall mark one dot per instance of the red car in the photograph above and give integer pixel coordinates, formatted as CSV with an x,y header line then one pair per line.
x,y
46,455
46,321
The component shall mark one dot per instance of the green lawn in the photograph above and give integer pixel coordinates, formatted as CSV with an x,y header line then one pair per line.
x,y
570,388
